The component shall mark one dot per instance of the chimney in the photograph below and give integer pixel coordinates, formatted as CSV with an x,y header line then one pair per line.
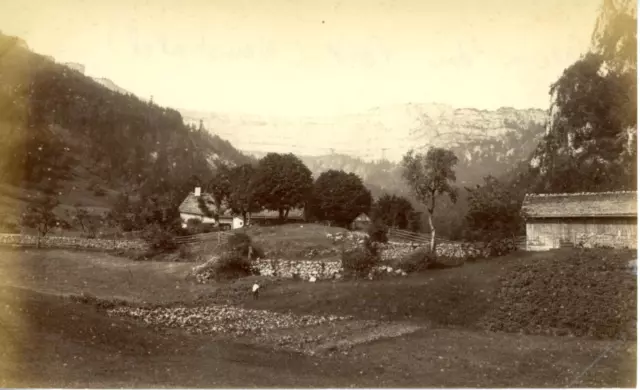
x,y
197,191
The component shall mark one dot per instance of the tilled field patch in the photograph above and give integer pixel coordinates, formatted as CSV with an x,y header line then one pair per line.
x,y
220,319
309,334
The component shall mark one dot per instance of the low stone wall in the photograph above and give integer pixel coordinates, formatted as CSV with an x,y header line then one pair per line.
x,y
457,250
452,250
396,250
304,269
20,240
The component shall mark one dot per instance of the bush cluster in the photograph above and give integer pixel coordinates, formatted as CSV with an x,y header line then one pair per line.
x,y
500,247
240,242
159,239
419,260
360,261
232,266
378,231
234,262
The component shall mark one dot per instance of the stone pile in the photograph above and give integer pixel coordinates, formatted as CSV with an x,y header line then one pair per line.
x,y
221,319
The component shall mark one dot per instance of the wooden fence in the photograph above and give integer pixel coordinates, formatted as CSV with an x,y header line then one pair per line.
x,y
407,236
220,237
425,239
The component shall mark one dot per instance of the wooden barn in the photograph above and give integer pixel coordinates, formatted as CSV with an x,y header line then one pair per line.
x,y
607,219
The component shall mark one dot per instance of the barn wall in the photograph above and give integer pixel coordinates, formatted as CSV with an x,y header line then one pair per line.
x,y
545,234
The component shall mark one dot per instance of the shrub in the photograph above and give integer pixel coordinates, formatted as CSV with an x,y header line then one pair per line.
x,y
240,242
159,239
416,261
360,261
232,266
378,231
500,247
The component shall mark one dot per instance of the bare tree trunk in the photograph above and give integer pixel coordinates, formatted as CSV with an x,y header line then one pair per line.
x,y
433,234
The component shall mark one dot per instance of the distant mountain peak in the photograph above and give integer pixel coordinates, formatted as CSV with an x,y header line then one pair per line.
x,y
372,134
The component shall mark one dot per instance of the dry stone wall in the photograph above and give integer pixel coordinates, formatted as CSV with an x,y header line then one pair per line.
x,y
455,250
395,250
304,269
21,240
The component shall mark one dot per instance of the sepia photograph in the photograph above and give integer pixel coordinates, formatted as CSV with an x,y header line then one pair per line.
x,y
318,194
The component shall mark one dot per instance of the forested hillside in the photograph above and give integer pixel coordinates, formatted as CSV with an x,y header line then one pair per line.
x,y
59,126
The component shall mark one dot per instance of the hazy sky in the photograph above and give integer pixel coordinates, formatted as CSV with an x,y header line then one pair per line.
x,y
314,57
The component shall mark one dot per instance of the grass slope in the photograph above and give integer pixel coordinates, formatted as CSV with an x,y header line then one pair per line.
x,y
49,341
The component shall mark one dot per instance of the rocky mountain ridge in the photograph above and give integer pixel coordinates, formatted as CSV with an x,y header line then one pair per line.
x,y
382,132
372,143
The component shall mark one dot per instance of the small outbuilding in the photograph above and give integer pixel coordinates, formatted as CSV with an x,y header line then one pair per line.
x,y
605,219
361,222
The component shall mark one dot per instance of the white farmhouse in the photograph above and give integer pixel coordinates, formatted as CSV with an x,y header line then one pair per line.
x,y
202,206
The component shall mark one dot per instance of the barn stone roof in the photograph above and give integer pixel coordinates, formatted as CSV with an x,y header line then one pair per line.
x,y
580,205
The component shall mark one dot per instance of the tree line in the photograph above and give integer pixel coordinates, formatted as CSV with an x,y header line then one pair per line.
x,y
282,182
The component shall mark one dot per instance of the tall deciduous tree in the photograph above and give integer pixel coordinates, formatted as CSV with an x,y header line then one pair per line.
x,y
242,199
89,224
394,211
340,197
40,216
591,138
220,185
494,210
282,182
430,175
590,144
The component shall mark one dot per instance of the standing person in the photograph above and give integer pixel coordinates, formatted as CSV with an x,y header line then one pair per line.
x,y
255,290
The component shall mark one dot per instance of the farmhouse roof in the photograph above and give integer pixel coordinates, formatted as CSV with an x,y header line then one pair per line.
x,y
580,205
190,204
